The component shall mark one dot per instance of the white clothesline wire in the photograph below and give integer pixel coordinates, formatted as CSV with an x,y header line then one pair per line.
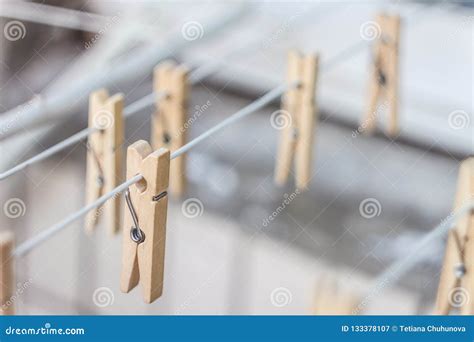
x,y
196,76
400,267
55,16
28,245
270,96
53,105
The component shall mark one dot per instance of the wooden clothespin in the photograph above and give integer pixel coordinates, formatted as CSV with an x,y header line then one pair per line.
x,y
144,232
383,84
6,273
331,300
169,129
456,284
104,158
299,107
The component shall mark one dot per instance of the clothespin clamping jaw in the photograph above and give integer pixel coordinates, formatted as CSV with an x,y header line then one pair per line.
x,y
383,84
169,128
300,111
456,284
104,157
144,232
331,300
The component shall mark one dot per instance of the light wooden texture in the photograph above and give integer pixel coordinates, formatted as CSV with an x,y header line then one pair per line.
x,y
299,107
6,273
332,300
386,62
104,158
169,121
93,169
459,249
144,263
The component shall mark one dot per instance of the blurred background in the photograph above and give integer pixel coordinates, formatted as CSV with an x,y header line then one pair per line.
x,y
222,254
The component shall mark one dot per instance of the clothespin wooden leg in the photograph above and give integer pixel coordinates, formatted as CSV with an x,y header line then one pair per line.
x,y
370,118
94,176
104,157
467,225
383,83
298,104
113,157
6,273
392,56
143,262
290,104
169,122
306,122
448,280
456,284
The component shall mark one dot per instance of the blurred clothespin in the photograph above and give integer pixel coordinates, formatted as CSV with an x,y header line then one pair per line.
x,y
169,129
104,158
144,232
331,300
6,273
300,112
383,83
456,284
